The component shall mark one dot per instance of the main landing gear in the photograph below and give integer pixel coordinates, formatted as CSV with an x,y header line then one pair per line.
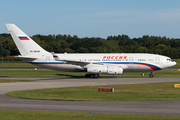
x,y
151,75
92,75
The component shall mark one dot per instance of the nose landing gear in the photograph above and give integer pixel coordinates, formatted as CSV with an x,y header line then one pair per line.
x,y
151,75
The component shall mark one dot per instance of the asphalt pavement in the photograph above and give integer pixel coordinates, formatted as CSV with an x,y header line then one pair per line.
x,y
123,107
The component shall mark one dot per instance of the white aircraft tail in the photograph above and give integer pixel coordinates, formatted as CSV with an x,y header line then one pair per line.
x,y
25,45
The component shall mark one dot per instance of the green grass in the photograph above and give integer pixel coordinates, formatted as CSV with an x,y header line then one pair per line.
x,y
134,92
53,115
36,73
53,73
12,80
17,65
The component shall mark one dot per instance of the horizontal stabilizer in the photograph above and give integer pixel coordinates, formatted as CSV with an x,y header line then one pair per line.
x,y
55,56
27,57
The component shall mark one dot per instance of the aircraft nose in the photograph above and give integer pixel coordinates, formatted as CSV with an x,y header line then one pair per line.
x,y
175,63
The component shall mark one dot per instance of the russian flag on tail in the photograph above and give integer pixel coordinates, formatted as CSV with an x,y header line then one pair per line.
x,y
23,38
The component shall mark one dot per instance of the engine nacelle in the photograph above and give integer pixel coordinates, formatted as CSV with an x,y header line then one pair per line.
x,y
98,69
103,69
115,70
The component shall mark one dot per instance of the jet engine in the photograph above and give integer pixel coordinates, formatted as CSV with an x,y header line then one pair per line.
x,y
103,69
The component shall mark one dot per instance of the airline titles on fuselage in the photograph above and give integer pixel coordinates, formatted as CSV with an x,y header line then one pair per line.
x,y
115,57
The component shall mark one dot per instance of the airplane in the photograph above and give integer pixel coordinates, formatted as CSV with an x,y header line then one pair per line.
x,y
93,64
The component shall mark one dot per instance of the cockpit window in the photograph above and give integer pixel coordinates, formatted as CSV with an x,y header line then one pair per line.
x,y
170,60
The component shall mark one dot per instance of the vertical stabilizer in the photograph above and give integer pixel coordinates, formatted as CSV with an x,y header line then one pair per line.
x,y
24,43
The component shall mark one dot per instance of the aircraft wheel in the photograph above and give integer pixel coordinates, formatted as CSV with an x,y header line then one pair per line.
x,y
96,75
92,76
151,76
87,75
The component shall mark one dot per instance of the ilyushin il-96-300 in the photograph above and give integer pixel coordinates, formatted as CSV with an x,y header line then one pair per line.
x,y
93,64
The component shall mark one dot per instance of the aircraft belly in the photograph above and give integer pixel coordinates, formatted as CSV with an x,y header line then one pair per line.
x,y
69,67
75,68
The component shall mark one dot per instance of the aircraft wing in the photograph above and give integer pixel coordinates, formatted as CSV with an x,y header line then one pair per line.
x,y
74,62
82,63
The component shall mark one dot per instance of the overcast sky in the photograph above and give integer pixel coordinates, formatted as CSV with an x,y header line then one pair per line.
x,y
93,18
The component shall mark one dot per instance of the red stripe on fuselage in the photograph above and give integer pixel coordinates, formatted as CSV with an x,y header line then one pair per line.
x,y
139,64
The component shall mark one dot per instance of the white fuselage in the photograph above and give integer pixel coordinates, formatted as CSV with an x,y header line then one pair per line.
x,y
136,62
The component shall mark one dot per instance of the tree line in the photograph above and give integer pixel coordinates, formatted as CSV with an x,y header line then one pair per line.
x,y
113,44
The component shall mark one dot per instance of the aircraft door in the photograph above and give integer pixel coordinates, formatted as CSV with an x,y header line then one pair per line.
x,y
157,60
131,60
47,59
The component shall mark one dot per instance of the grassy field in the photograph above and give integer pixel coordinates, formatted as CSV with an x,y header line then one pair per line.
x,y
12,80
143,92
51,115
17,65
53,73
178,63
134,92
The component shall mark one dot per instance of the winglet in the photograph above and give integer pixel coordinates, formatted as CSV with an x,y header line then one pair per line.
x,y
55,56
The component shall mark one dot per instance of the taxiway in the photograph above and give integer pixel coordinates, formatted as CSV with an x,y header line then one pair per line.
x,y
124,107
